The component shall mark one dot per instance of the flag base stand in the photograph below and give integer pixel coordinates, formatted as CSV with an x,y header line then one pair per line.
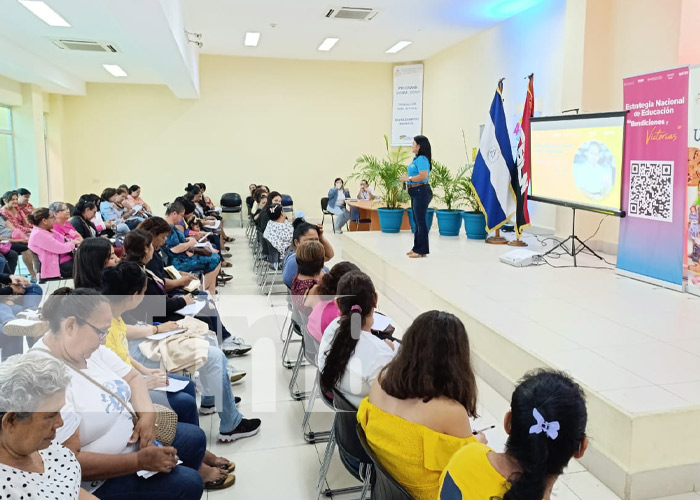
x,y
497,239
517,243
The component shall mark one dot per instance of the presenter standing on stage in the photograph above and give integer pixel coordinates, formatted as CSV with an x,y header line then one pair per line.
x,y
421,194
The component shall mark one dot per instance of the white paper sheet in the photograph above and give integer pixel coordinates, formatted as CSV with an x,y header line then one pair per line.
x,y
165,335
192,309
145,474
213,225
174,385
380,322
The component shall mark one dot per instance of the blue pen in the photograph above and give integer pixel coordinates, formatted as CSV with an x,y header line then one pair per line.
x,y
157,443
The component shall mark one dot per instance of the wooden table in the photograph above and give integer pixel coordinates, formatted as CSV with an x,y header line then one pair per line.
x,y
368,211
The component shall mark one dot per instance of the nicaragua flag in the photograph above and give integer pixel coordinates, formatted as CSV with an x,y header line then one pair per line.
x,y
494,167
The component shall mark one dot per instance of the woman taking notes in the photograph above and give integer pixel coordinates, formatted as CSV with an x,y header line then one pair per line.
x,y
421,194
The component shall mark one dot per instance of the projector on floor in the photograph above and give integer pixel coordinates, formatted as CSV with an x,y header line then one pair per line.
x,y
520,257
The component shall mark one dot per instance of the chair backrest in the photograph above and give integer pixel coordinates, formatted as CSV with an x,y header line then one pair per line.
x,y
324,203
249,201
287,200
311,346
37,263
384,486
345,434
273,256
231,200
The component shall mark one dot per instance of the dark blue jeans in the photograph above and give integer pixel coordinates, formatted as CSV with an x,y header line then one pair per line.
x,y
420,199
183,482
184,402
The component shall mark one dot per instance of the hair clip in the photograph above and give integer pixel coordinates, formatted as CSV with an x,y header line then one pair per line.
x,y
551,429
356,308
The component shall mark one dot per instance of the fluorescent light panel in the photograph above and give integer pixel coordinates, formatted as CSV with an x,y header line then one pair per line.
x,y
115,70
328,44
398,46
45,13
252,39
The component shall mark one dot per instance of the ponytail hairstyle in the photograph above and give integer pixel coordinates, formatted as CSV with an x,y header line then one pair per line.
x,y
329,283
356,301
274,212
191,190
122,281
7,197
557,398
67,303
134,188
425,149
136,243
90,258
434,361
38,215
82,206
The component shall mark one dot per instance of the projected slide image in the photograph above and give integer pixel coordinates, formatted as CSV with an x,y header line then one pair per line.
x,y
594,170
578,161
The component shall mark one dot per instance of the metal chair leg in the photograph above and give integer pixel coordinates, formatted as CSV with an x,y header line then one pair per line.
x,y
313,436
325,465
296,394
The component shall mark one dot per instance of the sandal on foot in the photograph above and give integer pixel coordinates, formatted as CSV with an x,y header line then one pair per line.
x,y
417,256
230,467
223,483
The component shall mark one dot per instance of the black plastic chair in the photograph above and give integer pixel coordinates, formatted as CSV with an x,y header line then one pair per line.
x,y
384,487
232,203
324,209
62,281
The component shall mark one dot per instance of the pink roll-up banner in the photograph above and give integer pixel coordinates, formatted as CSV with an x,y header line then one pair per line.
x,y
652,244
693,197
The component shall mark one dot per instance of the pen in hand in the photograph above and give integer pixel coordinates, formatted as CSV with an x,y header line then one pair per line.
x,y
484,429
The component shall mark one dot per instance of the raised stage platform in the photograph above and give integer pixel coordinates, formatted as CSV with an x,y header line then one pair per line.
x,y
634,347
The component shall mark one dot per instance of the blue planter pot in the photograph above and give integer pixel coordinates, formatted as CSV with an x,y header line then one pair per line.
x,y
449,222
390,219
428,219
475,225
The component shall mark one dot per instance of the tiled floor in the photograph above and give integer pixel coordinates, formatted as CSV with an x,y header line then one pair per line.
x,y
277,463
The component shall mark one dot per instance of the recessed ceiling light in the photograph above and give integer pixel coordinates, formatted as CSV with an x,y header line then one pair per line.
x,y
45,13
115,70
328,44
252,39
398,46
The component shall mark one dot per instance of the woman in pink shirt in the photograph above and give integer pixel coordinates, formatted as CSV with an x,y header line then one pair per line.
x,y
52,249
134,199
321,299
61,226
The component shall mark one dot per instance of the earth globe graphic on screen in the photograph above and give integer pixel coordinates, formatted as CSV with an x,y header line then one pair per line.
x,y
594,170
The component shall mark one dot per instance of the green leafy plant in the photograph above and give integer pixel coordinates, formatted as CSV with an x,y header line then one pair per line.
x,y
453,190
466,188
385,173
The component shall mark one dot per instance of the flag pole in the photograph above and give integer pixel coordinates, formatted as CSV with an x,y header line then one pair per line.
x,y
497,239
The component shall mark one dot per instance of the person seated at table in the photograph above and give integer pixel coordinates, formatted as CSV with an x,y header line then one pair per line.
x,y
321,299
32,393
417,413
51,248
310,259
350,361
134,198
303,231
17,294
124,286
180,250
111,444
546,427
366,192
336,204
61,225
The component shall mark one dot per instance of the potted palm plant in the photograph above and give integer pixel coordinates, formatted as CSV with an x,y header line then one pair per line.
x,y
385,174
474,219
448,190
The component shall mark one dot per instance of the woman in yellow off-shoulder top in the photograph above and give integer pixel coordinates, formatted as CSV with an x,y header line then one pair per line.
x,y
417,413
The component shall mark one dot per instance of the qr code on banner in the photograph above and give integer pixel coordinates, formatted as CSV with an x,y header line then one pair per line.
x,y
651,190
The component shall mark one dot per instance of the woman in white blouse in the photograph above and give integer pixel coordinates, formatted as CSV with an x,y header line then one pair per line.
x,y
32,393
279,231
350,360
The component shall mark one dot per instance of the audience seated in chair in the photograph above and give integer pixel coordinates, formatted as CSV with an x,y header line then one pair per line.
x,y
124,286
321,299
110,446
279,231
336,204
32,393
181,253
16,220
310,257
16,246
112,213
417,413
348,360
303,231
134,198
537,451
17,294
61,225
53,251
83,214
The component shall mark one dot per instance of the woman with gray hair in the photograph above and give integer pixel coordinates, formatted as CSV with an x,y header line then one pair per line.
x,y
32,393
61,226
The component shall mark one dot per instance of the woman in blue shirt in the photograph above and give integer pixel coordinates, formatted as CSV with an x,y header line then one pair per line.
x,y
421,194
336,205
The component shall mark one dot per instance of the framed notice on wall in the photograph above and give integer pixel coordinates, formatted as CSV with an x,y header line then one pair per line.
x,y
407,116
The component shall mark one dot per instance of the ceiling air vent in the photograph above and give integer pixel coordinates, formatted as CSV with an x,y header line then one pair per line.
x,y
85,45
352,13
